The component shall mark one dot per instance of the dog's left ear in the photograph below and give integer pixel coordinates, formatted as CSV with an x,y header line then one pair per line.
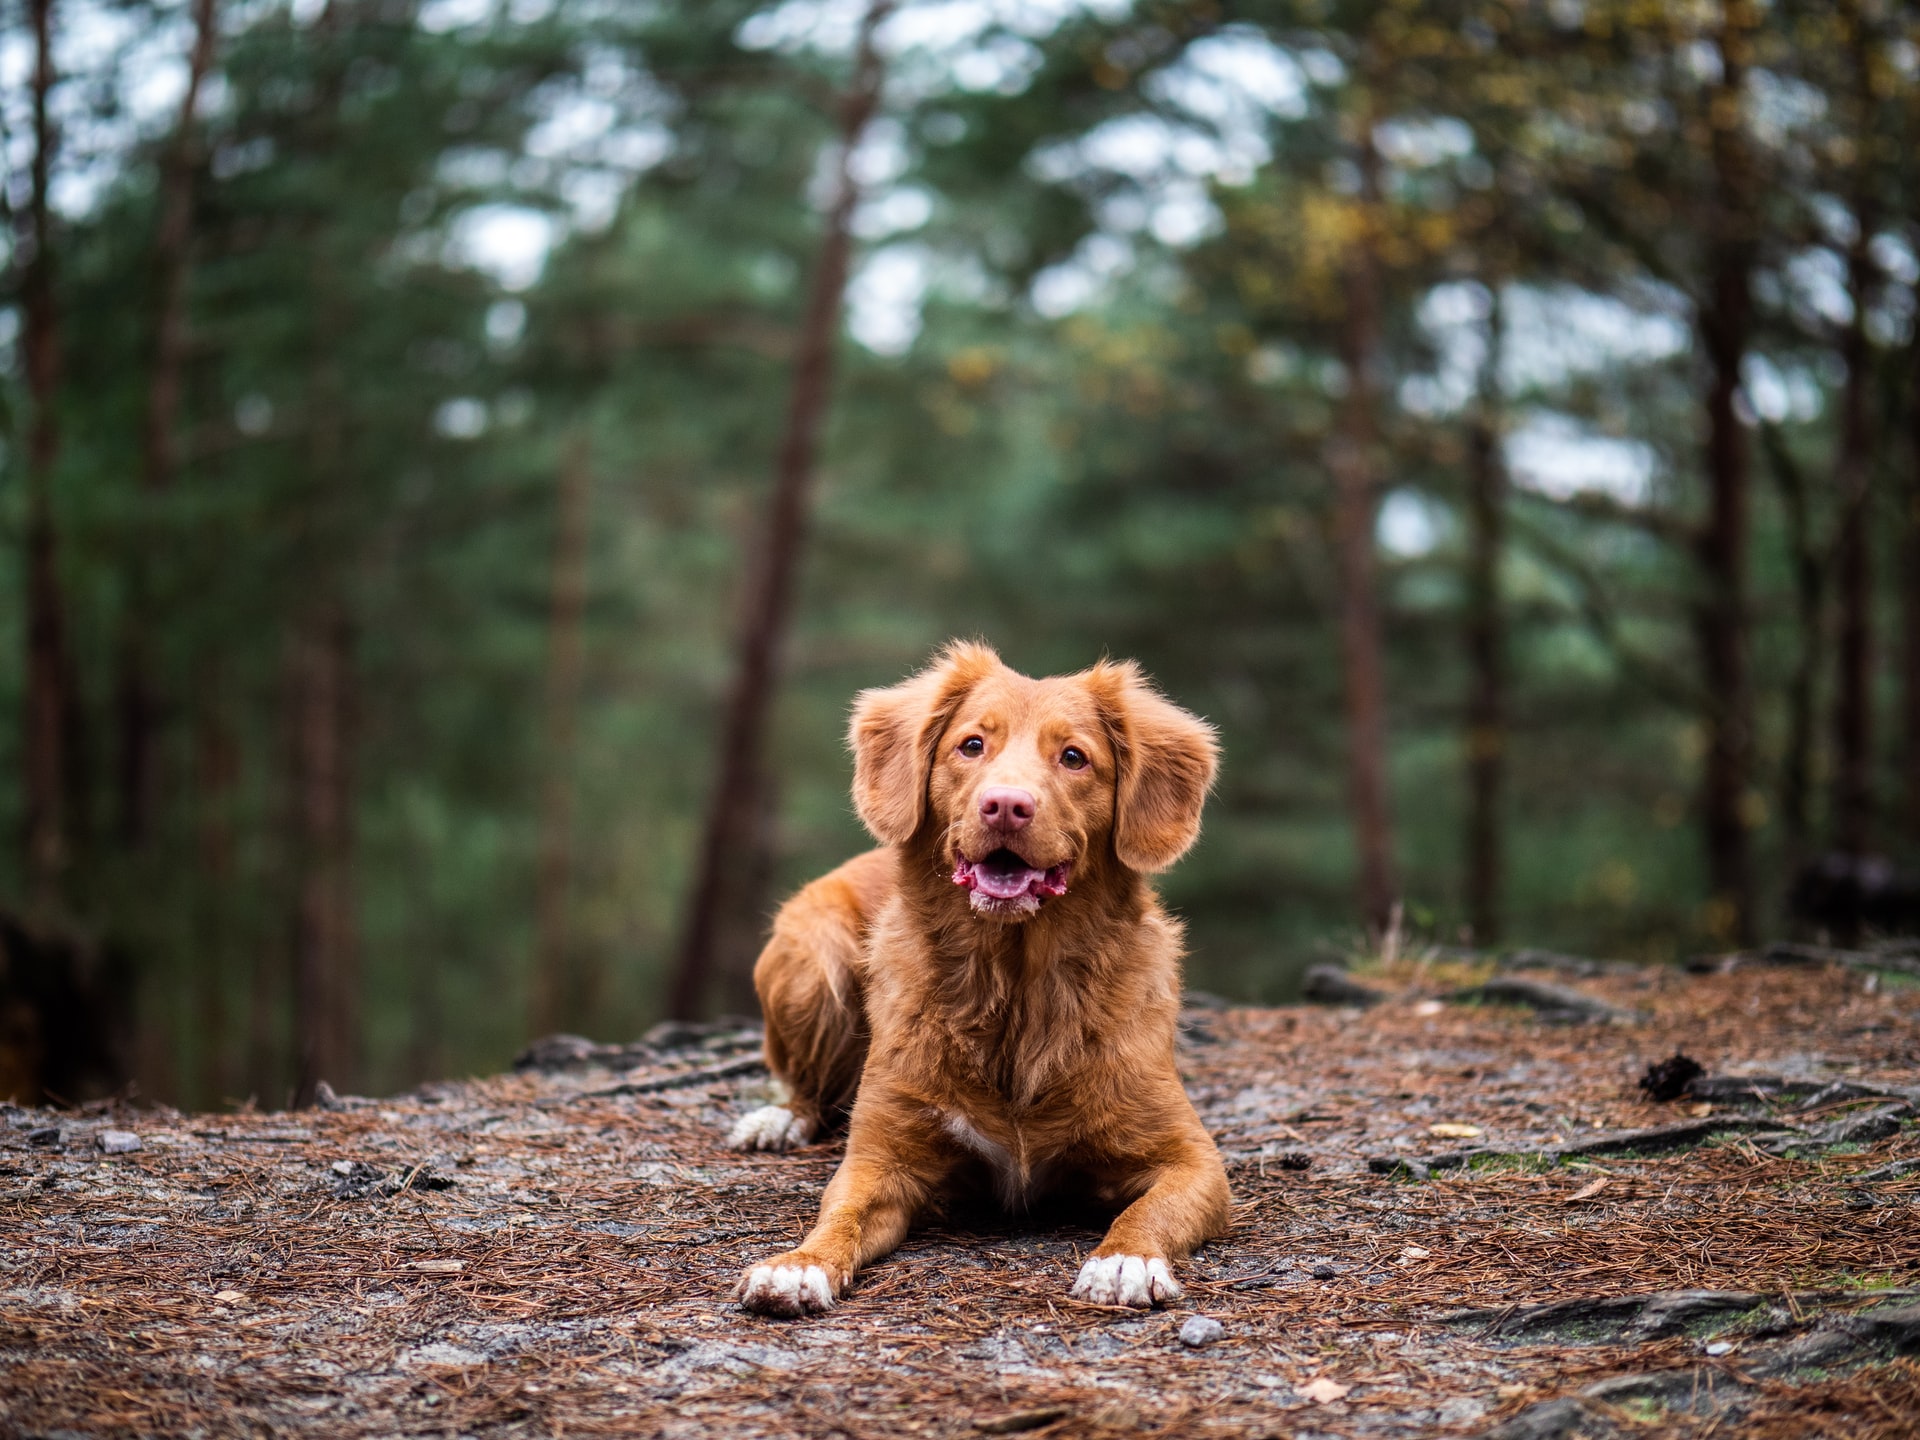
x,y
1167,760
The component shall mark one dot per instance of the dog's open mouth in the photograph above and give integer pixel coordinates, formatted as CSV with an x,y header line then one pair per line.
x,y
1002,883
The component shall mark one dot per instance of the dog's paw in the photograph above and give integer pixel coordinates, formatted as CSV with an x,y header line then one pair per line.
x,y
787,1286
771,1127
1126,1280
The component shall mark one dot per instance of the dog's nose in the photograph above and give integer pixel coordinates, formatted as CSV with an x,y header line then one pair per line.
x,y
1005,808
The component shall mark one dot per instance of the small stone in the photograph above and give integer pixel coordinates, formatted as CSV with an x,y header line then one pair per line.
x,y
118,1142
1322,1272
1720,1347
44,1136
1201,1330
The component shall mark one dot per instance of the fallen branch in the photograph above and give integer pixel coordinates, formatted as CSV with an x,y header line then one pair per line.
x,y
726,1070
1786,953
1618,1142
1553,1002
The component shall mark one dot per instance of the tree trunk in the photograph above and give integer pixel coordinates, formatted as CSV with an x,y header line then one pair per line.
x,y
1809,584
1486,646
1853,485
49,698
325,958
732,848
562,995
1910,587
216,774
1726,321
1353,461
138,701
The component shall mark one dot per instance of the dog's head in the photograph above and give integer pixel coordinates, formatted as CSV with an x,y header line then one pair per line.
x,y
1018,784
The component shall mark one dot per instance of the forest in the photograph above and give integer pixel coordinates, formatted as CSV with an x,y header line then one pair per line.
x,y
459,459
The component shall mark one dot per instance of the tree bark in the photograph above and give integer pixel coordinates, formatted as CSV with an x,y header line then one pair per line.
x,y
216,774
1910,588
562,994
1853,485
49,695
732,848
325,939
1353,461
1809,586
138,701
1726,322
1486,646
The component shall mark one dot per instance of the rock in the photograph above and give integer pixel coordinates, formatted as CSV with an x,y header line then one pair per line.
x,y
1201,1331
1330,985
45,1136
1864,1129
1293,1160
556,1052
356,1180
1322,1272
118,1142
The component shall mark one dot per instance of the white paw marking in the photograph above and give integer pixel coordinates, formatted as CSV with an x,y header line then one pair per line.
x,y
1126,1280
771,1127
787,1290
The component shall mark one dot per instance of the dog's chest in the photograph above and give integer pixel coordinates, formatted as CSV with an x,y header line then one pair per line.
x,y
1004,1147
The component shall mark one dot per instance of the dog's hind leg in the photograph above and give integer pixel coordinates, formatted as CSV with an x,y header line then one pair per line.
x,y
810,987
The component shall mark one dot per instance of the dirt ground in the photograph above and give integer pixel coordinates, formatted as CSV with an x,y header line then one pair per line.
x,y
551,1252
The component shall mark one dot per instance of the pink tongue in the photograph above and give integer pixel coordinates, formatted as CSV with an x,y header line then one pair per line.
x,y
1003,884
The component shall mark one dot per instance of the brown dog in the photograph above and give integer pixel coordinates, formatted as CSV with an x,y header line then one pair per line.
x,y
994,993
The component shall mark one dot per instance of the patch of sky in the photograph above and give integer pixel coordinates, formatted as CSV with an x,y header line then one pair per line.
x,y
1422,144
1777,392
1551,335
1816,288
509,243
884,298
461,418
1083,277
1411,524
1556,455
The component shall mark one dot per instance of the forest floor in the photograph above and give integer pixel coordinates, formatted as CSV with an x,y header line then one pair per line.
x,y
552,1252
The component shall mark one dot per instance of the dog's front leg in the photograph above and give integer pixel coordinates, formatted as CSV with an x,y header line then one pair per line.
x,y
865,1212
1185,1205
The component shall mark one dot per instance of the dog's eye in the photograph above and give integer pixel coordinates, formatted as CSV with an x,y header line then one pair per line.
x,y
1073,759
973,747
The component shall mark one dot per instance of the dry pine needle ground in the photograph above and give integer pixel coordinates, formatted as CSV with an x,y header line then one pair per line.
x,y
261,1274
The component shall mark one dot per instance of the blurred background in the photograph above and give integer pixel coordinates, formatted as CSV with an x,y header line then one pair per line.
x,y
462,456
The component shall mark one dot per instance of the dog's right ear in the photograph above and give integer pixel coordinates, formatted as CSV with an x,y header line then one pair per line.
x,y
894,732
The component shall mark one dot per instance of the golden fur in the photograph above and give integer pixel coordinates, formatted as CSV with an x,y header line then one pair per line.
x,y
1035,1051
